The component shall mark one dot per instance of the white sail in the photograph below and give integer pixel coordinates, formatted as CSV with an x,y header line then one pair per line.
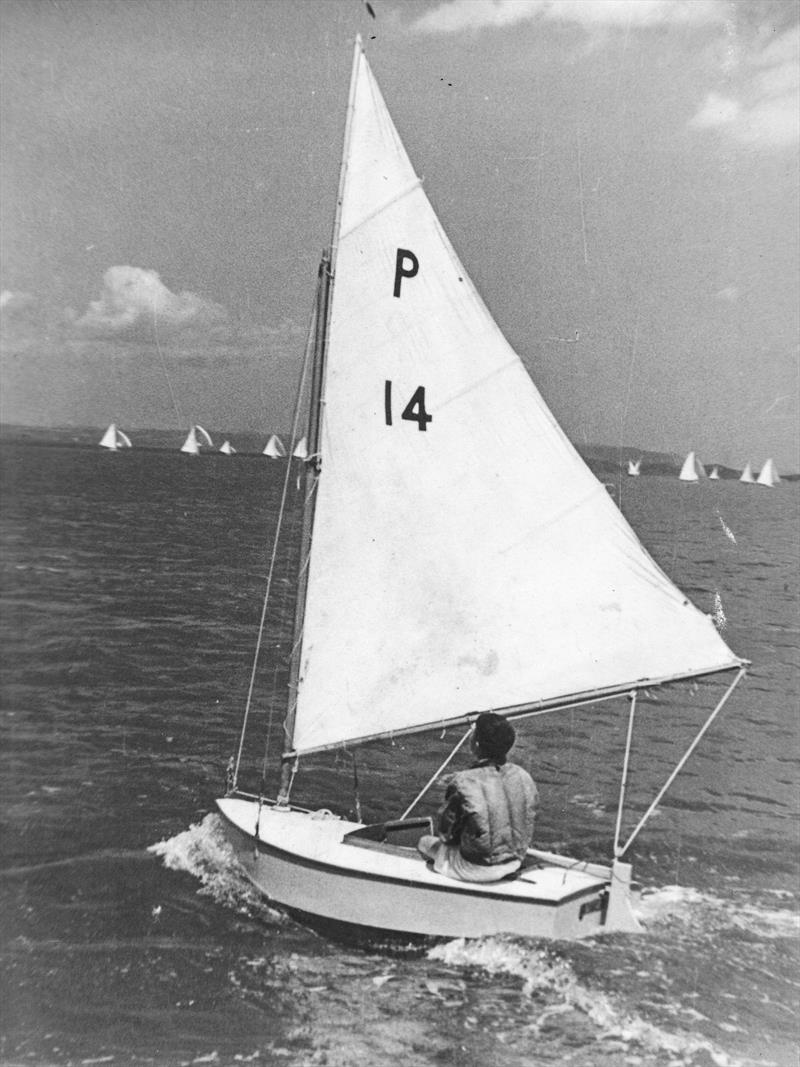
x,y
274,448
714,476
768,474
692,469
301,449
114,439
747,474
109,438
227,449
438,587
204,434
634,467
191,445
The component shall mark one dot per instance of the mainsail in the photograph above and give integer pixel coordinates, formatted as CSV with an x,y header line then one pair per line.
x,y
227,449
438,587
747,474
274,448
768,474
692,469
114,439
191,445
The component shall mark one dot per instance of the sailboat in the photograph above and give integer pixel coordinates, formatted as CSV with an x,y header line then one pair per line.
x,y
300,450
431,589
692,469
191,445
634,468
274,448
714,476
768,475
747,474
114,439
227,449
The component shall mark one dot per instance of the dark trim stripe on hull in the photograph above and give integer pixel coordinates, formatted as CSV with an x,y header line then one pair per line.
x,y
348,872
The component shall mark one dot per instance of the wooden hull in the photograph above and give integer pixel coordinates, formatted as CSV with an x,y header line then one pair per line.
x,y
315,865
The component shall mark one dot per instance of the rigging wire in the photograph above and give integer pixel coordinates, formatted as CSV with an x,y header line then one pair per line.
x,y
624,419
164,365
430,782
273,556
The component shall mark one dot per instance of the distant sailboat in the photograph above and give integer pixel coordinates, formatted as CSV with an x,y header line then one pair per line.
x,y
301,449
714,476
274,448
747,474
431,587
634,467
227,449
191,445
768,475
692,469
114,439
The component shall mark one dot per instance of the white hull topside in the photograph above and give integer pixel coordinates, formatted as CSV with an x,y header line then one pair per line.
x,y
305,863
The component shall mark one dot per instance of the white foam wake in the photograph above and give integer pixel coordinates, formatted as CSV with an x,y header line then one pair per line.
x,y
204,851
543,973
693,909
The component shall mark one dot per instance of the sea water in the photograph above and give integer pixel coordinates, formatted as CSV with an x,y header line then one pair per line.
x,y
132,593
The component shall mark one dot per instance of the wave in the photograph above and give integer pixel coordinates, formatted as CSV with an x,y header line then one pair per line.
x,y
694,910
545,975
204,851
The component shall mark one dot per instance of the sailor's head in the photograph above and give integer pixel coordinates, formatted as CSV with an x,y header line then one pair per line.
x,y
492,737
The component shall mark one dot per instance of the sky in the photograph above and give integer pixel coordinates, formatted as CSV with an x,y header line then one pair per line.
x,y
619,178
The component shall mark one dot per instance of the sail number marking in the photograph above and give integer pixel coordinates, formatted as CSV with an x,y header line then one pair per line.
x,y
414,411
406,266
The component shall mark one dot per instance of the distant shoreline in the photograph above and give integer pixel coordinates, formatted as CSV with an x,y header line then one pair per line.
x,y
602,459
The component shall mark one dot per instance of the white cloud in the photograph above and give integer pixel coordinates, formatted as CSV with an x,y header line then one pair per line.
x,y
455,16
730,294
767,108
134,299
13,302
716,111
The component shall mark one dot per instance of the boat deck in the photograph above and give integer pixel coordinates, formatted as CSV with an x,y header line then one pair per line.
x,y
321,842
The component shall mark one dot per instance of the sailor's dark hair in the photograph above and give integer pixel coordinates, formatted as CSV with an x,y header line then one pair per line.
x,y
494,735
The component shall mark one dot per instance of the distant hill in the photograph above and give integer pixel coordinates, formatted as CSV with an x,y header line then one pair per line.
x,y
613,459
603,460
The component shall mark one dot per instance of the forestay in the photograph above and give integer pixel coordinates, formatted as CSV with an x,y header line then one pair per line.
x,y
463,557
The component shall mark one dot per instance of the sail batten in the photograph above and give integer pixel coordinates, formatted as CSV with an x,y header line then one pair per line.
x,y
463,556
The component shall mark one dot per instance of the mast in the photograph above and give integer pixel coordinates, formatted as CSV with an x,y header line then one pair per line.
x,y
313,464
309,483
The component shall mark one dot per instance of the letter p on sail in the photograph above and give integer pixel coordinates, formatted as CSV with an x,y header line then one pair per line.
x,y
406,266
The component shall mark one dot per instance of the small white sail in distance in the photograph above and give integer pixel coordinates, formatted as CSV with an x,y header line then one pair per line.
x,y
438,588
714,476
274,448
301,449
692,469
768,475
114,439
191,445
747,474
227,449
634,467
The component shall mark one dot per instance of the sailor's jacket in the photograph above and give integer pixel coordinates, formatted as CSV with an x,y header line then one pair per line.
x,y
489,812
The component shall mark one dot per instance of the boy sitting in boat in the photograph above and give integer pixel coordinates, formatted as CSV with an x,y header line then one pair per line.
x,y
486,823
